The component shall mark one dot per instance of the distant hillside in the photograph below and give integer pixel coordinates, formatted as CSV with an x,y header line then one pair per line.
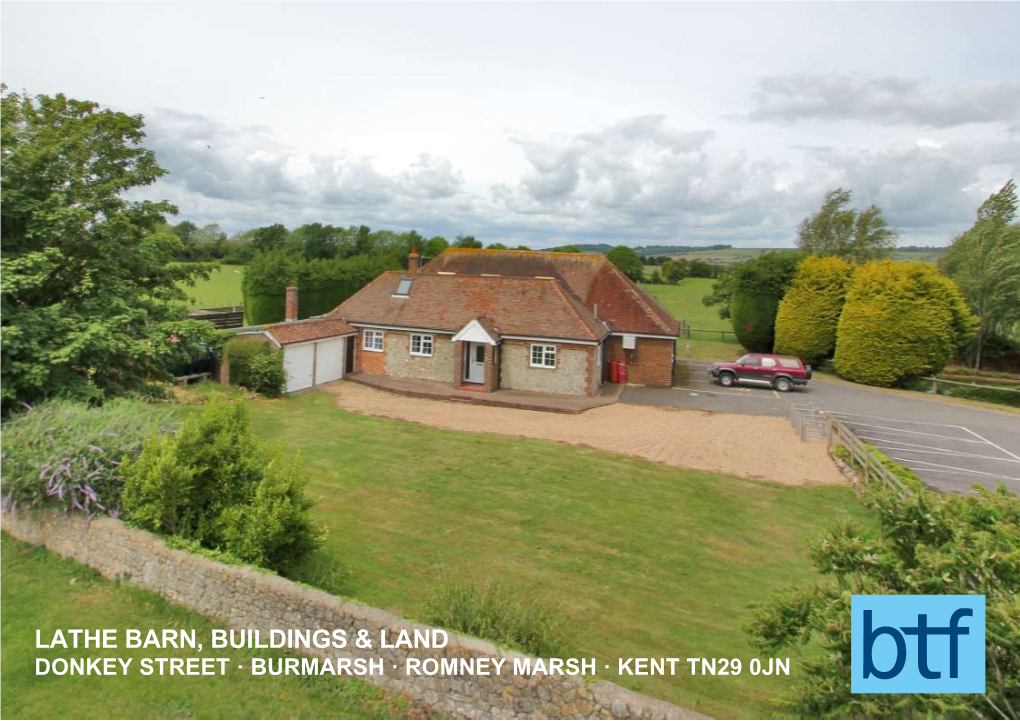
x,y
724,254
643,249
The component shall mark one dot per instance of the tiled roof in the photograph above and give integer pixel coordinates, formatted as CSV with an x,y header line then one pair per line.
x,y
513,306
306,330
591,282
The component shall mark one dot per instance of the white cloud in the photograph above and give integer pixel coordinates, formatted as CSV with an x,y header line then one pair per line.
x,y
886,101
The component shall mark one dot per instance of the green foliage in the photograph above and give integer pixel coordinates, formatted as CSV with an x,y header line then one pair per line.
x,y
496,611
809,312
214,483
899,320
323,284
266,374
255,365
628,261
434,246
855,235
673,271
467,241
1006,395
67,455
722,294
758,286
927,544
87,283
985,263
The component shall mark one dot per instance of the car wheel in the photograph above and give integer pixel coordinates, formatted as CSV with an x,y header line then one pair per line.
x,y
784,385
726,379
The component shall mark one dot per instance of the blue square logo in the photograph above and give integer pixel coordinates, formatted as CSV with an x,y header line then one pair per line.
x,y
917,644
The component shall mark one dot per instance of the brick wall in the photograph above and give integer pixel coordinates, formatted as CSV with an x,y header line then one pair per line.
x,y
492,361
369,361
649,364
243,598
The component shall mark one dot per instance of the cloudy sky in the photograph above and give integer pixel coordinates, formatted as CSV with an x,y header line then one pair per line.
x,y
649,123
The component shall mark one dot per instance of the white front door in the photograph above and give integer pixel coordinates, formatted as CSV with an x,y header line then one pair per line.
x,y
474,369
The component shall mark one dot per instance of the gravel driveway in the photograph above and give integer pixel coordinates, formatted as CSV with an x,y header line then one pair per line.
x,y
760,448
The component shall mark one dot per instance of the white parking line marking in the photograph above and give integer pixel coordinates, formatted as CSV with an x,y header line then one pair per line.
x,y
954,468
919,433
954,454
912,445
740,392
989,442
895,420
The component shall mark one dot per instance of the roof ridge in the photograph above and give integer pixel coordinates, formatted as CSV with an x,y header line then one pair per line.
x,y
552,253
570,304
359,291
634,290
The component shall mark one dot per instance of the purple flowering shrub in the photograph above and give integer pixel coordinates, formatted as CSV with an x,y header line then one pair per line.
x,y
67,455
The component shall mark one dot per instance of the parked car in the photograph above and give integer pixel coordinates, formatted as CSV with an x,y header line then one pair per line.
x,y
781,372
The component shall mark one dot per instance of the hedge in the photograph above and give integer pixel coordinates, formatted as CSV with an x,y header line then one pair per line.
x,y
323,284
758,286
900,320
255,365
809,312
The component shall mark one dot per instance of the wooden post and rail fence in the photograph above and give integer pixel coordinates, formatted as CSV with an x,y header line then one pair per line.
x,y
812,423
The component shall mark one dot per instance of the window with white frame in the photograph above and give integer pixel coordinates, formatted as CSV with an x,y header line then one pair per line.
x,y
373,341
543,356
421,344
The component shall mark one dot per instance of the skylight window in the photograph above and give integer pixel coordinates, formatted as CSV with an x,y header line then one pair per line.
x,y
404,287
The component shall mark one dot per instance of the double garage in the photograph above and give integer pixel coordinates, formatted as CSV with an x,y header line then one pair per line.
x,y
315,362
315,351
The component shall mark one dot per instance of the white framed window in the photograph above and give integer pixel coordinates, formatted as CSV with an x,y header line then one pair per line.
x,y
543,356
373,341
421,344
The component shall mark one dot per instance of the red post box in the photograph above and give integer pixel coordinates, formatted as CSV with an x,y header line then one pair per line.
x,y
622,371
614,371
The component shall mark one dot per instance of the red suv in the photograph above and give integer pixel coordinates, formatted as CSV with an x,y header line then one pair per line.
x,y
781,372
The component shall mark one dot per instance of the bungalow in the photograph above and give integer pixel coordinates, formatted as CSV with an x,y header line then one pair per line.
x,y
486,320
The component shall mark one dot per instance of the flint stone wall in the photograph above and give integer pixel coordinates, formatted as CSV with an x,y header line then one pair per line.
x,y
244,598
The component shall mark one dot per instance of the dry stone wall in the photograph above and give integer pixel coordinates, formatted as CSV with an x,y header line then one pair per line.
x,y
244,598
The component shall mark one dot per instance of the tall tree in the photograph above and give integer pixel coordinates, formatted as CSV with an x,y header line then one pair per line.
x,y
434,246
628,261
467,241
837,229
90,298
270,237
985,263
316,240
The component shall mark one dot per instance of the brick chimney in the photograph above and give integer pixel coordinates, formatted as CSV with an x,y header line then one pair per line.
x,y
412,261
290,314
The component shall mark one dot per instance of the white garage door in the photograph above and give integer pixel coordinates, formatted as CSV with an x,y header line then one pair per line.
x,y
298,361
329,366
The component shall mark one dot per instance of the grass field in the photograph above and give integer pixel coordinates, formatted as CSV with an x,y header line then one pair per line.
x,y
636,558
683,300
42,591
731,256
222,289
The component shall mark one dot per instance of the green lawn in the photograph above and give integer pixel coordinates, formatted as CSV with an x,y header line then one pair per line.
x,y
42,591
683,300
222,289
640,559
